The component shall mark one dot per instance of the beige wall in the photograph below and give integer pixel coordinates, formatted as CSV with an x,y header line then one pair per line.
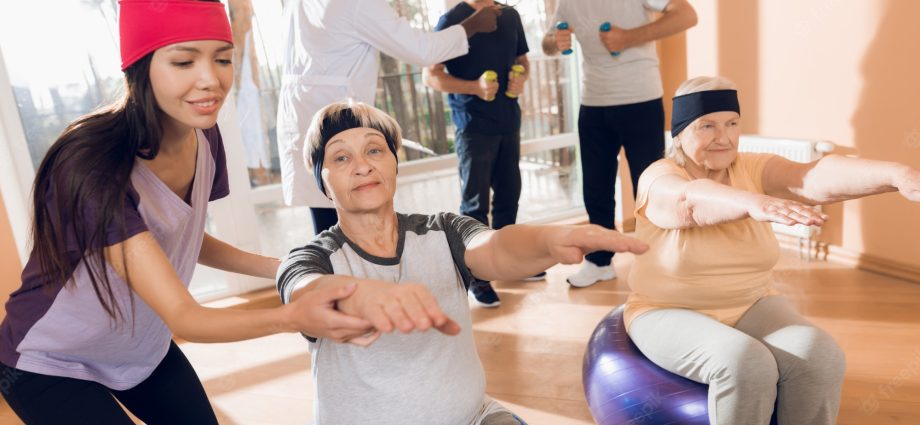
x,y
9,259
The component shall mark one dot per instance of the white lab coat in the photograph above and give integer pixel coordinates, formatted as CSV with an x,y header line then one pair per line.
x,y
331,53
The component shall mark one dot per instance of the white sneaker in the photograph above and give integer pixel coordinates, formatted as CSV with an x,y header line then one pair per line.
x,y
590,273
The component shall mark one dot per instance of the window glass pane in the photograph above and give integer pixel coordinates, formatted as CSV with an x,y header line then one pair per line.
x,y
58,78
550,187
547,106
257,35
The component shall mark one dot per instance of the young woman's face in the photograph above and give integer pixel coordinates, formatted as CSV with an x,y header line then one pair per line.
x,y
359,171
191,79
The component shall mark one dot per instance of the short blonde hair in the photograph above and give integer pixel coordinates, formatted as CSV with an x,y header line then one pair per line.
x,y
366,115
695,85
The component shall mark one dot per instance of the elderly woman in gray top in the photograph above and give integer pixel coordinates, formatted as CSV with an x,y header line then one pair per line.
x,y
411,272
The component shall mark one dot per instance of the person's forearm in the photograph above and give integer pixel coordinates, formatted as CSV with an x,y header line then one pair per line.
x,y
670,23
705,203
348,305
444,82
517,251
196,323
838,178
221,255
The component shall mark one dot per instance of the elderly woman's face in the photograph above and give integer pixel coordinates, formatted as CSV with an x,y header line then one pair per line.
x,y
359,170
711,141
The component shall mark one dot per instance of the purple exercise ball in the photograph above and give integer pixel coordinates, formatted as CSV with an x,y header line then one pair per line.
x,y
622,386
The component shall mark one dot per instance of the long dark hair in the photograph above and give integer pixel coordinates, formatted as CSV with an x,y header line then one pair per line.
x,y
82,183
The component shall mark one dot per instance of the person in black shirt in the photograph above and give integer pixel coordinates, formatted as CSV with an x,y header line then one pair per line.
x,y
488,120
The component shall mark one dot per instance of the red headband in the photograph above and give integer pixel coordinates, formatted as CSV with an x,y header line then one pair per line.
x,y
147,25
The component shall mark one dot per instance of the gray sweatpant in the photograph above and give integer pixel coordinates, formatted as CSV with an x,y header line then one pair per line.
x,y
772,354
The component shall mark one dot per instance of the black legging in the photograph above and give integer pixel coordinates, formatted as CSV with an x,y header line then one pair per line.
x,y
172,395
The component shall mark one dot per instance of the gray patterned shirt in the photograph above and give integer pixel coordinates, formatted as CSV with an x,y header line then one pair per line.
x,y
416,378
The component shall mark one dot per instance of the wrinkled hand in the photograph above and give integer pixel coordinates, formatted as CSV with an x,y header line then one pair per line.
x,y
482,20
615,40
563,39
516,83
486,90
404,307
784,211
314,314
571,243
908,184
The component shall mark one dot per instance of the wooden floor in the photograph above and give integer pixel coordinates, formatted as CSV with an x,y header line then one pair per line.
x,y
532,347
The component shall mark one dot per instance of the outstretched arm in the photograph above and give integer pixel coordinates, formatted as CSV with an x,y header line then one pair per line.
x,y
518,251
141,262
380,26
838,178
673,202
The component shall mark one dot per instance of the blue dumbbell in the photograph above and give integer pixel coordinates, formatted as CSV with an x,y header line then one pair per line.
x,y
604,28
564,26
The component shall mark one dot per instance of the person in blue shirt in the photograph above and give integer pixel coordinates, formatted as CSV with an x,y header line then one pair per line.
x,y
488,121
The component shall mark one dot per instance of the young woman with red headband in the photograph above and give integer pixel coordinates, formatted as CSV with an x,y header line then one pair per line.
x,y
120,202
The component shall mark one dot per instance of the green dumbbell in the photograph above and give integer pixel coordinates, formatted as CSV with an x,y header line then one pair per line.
x,y
489,76
517,70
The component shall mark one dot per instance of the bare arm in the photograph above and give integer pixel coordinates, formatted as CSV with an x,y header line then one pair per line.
x,y
377,24
141,262
835,178
436,77
677,16
677,203
221,255
518,251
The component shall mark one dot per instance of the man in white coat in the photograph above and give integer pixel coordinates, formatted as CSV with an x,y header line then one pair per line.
x,y
331,52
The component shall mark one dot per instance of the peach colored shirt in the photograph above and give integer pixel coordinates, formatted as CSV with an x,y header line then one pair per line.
x,y
719,270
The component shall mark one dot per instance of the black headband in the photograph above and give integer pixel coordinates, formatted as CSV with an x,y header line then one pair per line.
x,y
687,108
332,125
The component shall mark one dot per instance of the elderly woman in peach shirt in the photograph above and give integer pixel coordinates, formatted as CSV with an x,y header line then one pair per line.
x,y
702,304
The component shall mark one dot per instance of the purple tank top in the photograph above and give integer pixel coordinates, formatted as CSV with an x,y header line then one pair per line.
x,y
66,332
